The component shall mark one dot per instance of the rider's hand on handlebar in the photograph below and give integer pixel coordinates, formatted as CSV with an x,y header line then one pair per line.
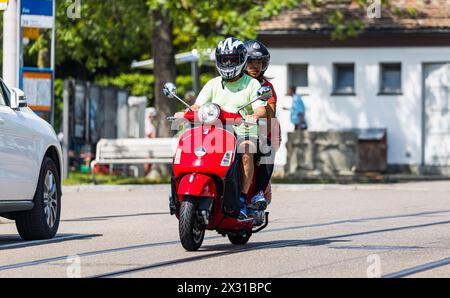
x,y
195,107
179,115
251,119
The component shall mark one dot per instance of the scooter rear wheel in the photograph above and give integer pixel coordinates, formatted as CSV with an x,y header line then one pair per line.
x,y
190,229
239,239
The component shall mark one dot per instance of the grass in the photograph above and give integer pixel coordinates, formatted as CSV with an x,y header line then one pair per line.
x,y
76,178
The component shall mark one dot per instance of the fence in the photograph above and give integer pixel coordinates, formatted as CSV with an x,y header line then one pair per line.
x,y
92,112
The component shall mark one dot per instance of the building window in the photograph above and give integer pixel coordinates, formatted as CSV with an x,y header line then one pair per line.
x,y
344,79
298,75
390,78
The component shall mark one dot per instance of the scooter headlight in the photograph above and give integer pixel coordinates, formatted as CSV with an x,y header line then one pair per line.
x,y
208,113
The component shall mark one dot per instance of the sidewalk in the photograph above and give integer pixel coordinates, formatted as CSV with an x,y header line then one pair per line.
x,y
442,185
361,178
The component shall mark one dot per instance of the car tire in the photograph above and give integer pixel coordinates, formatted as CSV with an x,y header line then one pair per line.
x,y
42,221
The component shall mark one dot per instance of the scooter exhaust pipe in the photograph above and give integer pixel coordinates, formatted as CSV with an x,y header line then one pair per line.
x,y
266,223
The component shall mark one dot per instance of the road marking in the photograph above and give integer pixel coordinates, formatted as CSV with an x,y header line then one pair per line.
x,y
317,241
418,269
54,240
98,218
249,248
176,242
91,253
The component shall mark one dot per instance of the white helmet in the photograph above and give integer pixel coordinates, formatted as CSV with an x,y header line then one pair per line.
x,y
231,58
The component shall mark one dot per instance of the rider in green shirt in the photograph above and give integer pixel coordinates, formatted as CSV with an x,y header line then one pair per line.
x,y
231,95
231,90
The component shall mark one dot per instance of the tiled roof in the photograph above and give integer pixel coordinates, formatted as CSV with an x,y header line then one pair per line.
x,y
404,16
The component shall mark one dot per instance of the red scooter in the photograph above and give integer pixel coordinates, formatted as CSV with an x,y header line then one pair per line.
x,y
206,176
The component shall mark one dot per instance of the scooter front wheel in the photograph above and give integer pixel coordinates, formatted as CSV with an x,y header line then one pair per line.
x,y
191,230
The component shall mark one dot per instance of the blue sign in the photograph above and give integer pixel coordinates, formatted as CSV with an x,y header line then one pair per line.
x,y
37,7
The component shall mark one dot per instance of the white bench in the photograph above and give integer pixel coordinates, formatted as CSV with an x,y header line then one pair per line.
x,y
134,151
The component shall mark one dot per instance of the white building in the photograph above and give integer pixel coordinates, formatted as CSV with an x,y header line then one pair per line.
x,y
395,75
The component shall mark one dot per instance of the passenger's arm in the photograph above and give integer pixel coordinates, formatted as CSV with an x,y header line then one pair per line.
x,y
271,110
258,113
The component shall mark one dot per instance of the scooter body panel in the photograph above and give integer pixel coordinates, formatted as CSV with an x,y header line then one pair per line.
x,y
222,223
206,150
197,185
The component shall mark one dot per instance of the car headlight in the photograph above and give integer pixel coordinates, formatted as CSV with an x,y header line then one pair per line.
x,y
208,113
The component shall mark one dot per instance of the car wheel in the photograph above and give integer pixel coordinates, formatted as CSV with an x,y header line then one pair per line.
x,y
42,221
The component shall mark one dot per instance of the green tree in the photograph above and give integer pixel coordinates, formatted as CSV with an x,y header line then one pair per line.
x,y
188,24
104,40
199,24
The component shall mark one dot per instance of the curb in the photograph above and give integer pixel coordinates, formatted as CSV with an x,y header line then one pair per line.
x,y
110,188
275,187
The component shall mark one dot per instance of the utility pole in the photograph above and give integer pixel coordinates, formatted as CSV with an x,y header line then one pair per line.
x,y
10,44
195,77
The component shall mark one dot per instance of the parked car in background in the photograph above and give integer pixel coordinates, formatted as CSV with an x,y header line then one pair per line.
x,y
30,168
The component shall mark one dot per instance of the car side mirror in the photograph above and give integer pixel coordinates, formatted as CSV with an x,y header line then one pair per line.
x,y
18,99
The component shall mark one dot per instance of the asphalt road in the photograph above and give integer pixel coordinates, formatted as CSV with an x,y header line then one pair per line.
x,y
399,230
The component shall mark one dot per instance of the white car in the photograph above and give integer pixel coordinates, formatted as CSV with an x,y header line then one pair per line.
x,y
30,168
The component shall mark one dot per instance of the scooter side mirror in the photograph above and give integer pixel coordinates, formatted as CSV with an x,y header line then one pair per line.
x,y
264,93
169,89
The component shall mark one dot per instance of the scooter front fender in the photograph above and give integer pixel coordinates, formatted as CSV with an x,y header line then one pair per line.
x,y
197,185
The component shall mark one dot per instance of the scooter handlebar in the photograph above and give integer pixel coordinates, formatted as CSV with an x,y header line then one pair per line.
x,y
224,117
189,115
261,122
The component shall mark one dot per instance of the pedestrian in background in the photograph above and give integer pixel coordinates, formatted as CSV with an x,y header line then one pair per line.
x,y
190,97
150,131
298,113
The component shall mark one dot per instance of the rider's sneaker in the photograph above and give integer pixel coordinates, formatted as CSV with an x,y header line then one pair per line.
x,y
243,213
259,201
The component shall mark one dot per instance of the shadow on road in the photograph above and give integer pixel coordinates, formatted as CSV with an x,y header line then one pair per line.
x,y
100,218
379,247
317,241
14,242
365,219
269,244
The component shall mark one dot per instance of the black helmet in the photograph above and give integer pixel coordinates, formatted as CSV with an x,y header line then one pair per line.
x,y
231,58
256,50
